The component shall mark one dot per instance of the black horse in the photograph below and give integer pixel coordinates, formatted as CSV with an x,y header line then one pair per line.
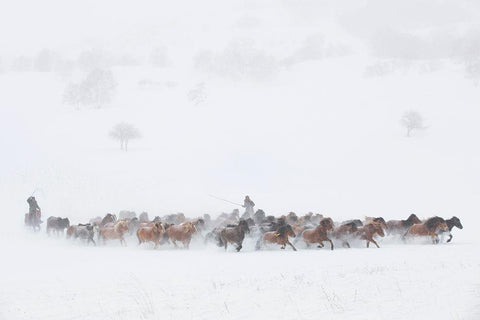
x,y
234,234
453,222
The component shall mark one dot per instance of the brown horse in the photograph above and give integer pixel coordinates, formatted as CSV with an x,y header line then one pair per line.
x,y
115,232
400,226
234,234
378,219
344,232
368,231
279,237
430,227
319,234
151,234
182,233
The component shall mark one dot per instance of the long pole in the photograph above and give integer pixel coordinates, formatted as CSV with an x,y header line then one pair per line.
x,y
238,204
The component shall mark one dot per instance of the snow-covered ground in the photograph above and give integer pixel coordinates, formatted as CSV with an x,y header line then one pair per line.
x,y
312,125
52,278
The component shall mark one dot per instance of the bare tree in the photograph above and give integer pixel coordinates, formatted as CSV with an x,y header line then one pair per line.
x,y
412,120
98,87
124,132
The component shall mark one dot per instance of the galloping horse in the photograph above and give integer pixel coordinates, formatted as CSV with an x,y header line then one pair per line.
x,y
453,222
151,234
82,231
344,232
368,231
182,233
57,224
234,234
115,232
319,234
430,227
400,226
279,237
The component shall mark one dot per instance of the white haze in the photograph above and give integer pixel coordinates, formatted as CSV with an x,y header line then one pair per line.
x,y
300,109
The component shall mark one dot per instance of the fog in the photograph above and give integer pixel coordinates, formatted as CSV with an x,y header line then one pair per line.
x,y
295,103
344,109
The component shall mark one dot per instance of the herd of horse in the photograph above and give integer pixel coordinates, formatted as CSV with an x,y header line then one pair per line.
x,y
290,229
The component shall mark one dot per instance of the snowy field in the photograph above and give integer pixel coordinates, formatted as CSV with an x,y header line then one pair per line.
x,y
295,103
50,278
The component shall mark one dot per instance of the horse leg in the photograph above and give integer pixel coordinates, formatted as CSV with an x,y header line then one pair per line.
x,y
368,243
375,242
331,244
239,246
320,244
174,243
291,245
450,237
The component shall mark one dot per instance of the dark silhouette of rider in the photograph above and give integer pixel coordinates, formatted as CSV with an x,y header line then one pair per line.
x,y
33,207
248,205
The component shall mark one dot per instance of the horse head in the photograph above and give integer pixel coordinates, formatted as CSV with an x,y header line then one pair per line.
x,y
189,227
121,227
327,223
457,223
244,226
381,221
377,228
290,231
200,223
159,227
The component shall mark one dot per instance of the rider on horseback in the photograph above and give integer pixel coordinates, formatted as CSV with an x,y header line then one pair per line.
x,y
34,209
248,205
